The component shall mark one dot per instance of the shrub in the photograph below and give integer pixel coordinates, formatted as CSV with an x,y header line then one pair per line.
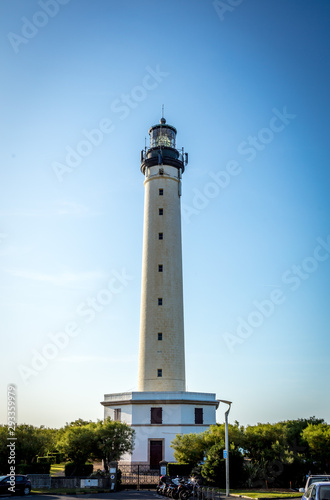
x,y
59,457
35,468
214,469
72,469
174,469
44,460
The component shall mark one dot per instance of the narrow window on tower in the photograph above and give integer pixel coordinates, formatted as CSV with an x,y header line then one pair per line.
x,y
160,336
156,415
160,268
159,372
160,236
160,302
161,192
198,415
117,415
161,211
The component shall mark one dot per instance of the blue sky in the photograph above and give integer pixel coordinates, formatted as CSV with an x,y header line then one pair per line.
x,y
246,84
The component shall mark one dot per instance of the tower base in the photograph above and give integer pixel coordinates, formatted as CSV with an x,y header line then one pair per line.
x,y
157,417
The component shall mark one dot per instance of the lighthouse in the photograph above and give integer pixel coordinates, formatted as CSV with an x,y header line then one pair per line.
x,y
161,407
161,356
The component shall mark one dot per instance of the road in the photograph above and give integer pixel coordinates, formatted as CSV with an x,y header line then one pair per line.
x,y
121,495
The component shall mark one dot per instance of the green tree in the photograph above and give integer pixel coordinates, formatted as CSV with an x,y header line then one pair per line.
x,y
4,468
189,448
214,468
293,433
77,441
278,453
275,454
30,443
112,440
264,441
317,438
216,434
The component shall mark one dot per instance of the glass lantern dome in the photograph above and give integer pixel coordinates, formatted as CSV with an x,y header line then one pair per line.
x,y
162,135
162,149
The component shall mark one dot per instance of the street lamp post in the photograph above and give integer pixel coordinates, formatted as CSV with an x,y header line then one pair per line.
x,y
226,444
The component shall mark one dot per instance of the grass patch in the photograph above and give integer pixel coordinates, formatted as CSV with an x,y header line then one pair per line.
x,y
57,469
260,494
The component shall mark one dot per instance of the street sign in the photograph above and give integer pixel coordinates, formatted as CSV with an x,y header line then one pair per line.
x,y
224,453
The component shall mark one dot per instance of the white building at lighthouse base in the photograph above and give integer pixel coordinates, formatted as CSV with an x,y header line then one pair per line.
x,y
157,417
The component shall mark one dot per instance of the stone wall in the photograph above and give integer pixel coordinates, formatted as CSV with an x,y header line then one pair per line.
x,y
46,481
40,480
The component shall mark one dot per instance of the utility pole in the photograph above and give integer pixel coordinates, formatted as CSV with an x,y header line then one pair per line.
x,y
226,443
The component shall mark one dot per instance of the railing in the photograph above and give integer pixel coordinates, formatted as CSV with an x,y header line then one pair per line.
x,y
202,493
138,475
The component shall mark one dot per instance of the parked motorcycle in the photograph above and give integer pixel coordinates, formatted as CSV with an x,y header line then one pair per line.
x,y
176,488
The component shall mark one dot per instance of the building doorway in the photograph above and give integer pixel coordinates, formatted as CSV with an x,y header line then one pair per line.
x,y
156,453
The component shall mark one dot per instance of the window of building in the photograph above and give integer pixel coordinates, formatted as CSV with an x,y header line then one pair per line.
x,y
161,211
160,336
160,236
159,372
160,268
156,415
198,415
161,192
160,302
117,415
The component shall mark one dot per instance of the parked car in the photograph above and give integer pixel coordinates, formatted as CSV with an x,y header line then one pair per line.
x,y
21,485
317,491
314,478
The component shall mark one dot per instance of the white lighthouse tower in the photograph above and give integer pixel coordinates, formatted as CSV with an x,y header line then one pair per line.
x,y
161,358
161,407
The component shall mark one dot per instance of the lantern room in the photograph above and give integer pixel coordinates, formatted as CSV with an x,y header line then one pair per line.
x,y
162,149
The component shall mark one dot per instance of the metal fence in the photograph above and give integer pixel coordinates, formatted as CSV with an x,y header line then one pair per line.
x,y
138,475
207,494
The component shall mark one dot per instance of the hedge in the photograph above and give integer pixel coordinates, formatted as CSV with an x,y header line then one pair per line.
x,y
45,460
174,469
54,458
72,469
36,468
